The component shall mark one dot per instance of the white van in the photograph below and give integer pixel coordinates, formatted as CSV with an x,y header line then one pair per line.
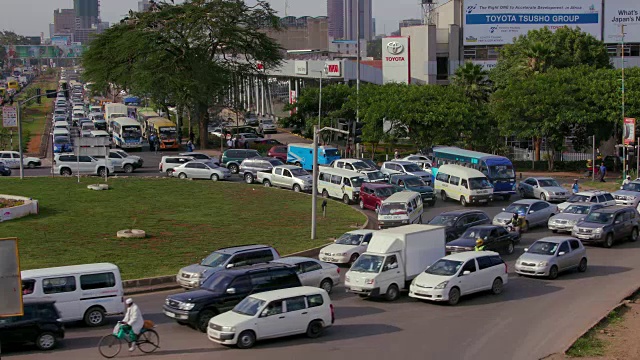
x,y
99,133
340,184
467,185
401,208
61,125
300,310
61,132
81,292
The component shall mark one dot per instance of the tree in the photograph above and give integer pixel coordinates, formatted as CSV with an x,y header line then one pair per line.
x,y
374,49
186,54
474,80
9,38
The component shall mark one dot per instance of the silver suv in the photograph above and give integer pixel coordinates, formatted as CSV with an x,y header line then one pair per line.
x,y
628,195
68,164
598,197
608,225
249,167
192,276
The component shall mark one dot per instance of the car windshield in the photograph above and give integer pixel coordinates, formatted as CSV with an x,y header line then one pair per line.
x,y
200,156
370,164
357,181
216,259
250,136
414,181
548,183
501,172
479,183
299,172
61,140
249,306
98,117
275,162
446,220
350,239
515,208
218,281
577,209
384,192
476,233
359,165
632,187
393,209
331,152
444,267
375,175
267,122
131,132
543,248
368,264
168,132
599,217
122,153
412,168
578,198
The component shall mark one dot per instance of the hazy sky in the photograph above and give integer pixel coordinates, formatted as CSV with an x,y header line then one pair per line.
x,y
31,17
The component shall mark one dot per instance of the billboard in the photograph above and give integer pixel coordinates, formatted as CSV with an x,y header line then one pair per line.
x,y
10,281
44,51
629,131
61,40
619,12
333,68
497,22
396,57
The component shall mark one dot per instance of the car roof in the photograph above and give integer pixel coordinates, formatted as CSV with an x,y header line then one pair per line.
x,y
462,212
526,201
540,178
292,260
592,192
612,209
404,176
556,239
65,270
176,156
468,255
400,162
236,249
486,226
289,292
240,270
192,153
376,185
360,232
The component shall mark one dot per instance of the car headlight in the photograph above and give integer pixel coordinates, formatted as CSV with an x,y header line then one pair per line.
x,y
543,263
631,197
186,306
228,328
598,231
575,228
442,285
196,276
341,254
572,222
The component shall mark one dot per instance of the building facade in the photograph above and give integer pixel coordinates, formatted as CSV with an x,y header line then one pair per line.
x,y
64,21
303,33
87,13
351,19
335,15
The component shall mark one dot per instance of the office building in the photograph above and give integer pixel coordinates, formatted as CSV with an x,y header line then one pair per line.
x,y
335,15
87,13
84,36
351,18
64,21
303,33
52,30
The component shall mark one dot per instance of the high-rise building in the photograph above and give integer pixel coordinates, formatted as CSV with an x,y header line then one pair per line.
x,y
303,33
52,30
351,18
409,22
64,21
87,13
335,15
143,5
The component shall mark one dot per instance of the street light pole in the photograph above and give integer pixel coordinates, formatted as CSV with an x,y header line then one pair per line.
x,y
320,102
624,146
18,115
314,187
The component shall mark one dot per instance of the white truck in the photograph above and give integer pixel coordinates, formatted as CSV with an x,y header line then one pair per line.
x,y
394,257
113,111
286,176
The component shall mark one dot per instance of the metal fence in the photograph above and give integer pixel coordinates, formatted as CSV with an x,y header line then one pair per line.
x,y
518,154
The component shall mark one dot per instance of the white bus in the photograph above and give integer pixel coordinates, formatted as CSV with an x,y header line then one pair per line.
x,y
126,133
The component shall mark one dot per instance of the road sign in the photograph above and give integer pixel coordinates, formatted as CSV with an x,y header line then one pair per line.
x,y
10,281
91,146
9,116
629,131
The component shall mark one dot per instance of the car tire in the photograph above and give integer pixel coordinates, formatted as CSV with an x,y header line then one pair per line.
x,y
361,204
246,339
215,177
65,172
248,178
327,285
393,293
297,163
203,320
553,273
497,286
346,200
608,241
443,195
46,341
234,168
463,201
182,176
267,183
31,165
128,168
169,172
353,258
523,195
511,248
94,317
554,231
582,267
297,188
454,296
315,329
325,194
543,197
634,235
102,171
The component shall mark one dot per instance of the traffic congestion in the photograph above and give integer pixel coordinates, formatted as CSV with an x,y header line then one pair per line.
x,y
444,227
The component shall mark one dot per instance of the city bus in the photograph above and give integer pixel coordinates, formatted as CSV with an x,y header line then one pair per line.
x,y
126,133
145,114
498,169
166,131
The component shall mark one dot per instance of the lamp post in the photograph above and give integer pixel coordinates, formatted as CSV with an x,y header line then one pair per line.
x,y
314,187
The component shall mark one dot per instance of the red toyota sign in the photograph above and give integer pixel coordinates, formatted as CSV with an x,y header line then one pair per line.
x,y
333,68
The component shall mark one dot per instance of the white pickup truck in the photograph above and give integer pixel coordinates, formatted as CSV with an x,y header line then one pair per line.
x,y
286,176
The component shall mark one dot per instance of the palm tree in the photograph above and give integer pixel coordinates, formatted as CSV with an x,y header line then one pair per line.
x,y
474,80
536,57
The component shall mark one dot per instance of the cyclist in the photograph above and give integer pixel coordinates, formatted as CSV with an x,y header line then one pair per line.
x,y
132,322
516,221
479,245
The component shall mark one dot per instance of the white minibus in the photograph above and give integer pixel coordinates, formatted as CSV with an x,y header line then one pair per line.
x,y
340,184
467,185
401,208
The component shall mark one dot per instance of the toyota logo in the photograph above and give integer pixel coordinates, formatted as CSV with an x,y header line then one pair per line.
x,y
395,48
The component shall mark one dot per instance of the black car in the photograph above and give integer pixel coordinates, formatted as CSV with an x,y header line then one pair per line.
x,y
226,288
39,325
458,221
4,169
495,238
414,183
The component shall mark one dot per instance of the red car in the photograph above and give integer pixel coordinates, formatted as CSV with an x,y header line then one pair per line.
x,y
372,194
278,152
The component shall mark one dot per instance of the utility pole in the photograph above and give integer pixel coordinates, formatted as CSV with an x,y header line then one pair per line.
x,y
357,70
314,188
624,147
19,114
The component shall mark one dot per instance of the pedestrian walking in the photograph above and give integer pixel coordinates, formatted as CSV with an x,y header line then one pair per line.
x,y
627,180
396,155
192,136
152,142
575,188
189,146
156,144
229,143
603,172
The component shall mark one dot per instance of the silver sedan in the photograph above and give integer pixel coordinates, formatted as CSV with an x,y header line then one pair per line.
x,y
313,272
543,188
551,255
197,170
570,216
534,212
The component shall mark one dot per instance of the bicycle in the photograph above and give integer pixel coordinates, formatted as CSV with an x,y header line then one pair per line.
x,y
147,341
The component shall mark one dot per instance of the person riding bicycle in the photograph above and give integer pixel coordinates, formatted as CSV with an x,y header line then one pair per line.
x,y
479,245
516,221
132,322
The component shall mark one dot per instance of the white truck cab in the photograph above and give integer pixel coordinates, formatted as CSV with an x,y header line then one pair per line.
x,y
394,258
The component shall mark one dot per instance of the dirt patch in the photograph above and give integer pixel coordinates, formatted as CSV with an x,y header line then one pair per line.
x,y
7,203
617,338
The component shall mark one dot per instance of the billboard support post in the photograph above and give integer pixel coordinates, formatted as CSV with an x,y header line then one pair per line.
x,y
10,279
624,126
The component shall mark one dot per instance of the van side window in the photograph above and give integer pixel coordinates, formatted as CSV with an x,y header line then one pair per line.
x,y
97,281
442,177
469,266
484,262
454,180
274,308
315,300
464,184
59,285
347,182
296,304
284,278
335,179
321,177
28,286
390,263
278,171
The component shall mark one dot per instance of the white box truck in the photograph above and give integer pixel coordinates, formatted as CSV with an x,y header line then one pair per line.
x,y
393,258
113,111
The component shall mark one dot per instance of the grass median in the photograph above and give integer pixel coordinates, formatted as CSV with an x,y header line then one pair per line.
x,y
184,220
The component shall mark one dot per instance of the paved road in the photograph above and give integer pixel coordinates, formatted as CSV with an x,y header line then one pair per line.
x,y
531,319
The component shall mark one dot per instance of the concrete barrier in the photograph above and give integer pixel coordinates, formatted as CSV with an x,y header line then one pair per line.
x,y
29,207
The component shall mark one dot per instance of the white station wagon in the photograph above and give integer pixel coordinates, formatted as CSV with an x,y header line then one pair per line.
x,y
273,314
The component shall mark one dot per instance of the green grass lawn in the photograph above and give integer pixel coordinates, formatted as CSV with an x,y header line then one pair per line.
x,y
184,220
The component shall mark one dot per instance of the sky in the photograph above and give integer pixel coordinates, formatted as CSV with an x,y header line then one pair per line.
x,y
31,17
